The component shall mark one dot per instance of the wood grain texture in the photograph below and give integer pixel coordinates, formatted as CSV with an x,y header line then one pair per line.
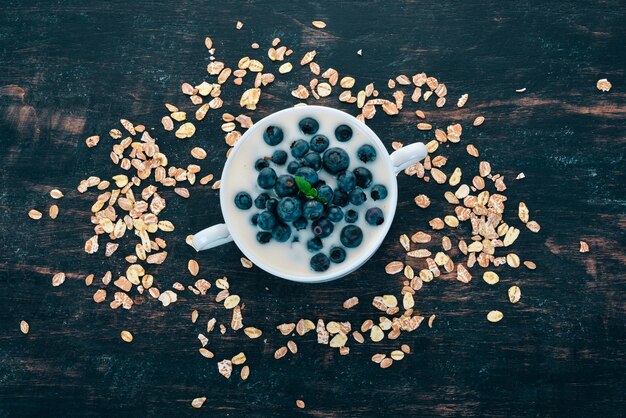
x,y
70,69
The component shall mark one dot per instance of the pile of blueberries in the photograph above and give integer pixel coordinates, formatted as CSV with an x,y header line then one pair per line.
x,y
284,206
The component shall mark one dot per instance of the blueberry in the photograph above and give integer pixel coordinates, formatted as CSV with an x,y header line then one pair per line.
x,y
279,157
335,160
293,166
281,232
266,220
366,153
289,209
340,198
374,216
319,262
351,216
243,201
314,244
378,192
312,159
346,181
343,133
334,213
363,177
337,255
325,193
313,209
299,148
263,237
308,174
351,236
322,227
261,163
254,219
261,200
271,204
300,223
286,186
266,178
357,196
273,135
319,143
309,126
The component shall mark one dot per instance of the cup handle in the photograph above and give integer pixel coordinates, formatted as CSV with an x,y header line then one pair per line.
x,y
407,156
211,237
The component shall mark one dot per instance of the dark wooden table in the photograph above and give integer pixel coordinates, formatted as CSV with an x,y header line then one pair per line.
x,y
71,69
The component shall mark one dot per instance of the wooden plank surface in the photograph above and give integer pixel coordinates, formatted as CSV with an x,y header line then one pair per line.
x,y
71,69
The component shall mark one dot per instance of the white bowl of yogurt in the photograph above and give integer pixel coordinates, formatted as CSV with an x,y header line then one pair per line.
x,y
304,250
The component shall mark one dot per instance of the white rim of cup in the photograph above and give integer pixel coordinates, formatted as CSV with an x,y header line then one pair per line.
x,y
340,270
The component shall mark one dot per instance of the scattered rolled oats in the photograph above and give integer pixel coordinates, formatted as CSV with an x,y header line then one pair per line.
x,y
198,402
286,329
245,372
193,267
533,226
420,238
494,316
424,126
308,57
56,194
24,327
92,141
490,277
470,202
604,85
53,212
280,353
515,293
126,336
225,368
204,352
246,263
530,265
198,153
386,363
252,332
376,334
324,89
584,247
285,68
513,260
34,214
58,279
394,267
239,359
231,301
422,201
351,303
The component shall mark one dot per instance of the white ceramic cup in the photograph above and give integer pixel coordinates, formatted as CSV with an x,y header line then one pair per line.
x,y
224,233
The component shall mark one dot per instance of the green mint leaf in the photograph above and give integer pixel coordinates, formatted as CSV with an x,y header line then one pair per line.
x,y
312,193
304,186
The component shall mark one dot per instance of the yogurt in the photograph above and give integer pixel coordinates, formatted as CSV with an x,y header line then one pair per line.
x,y
292,256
